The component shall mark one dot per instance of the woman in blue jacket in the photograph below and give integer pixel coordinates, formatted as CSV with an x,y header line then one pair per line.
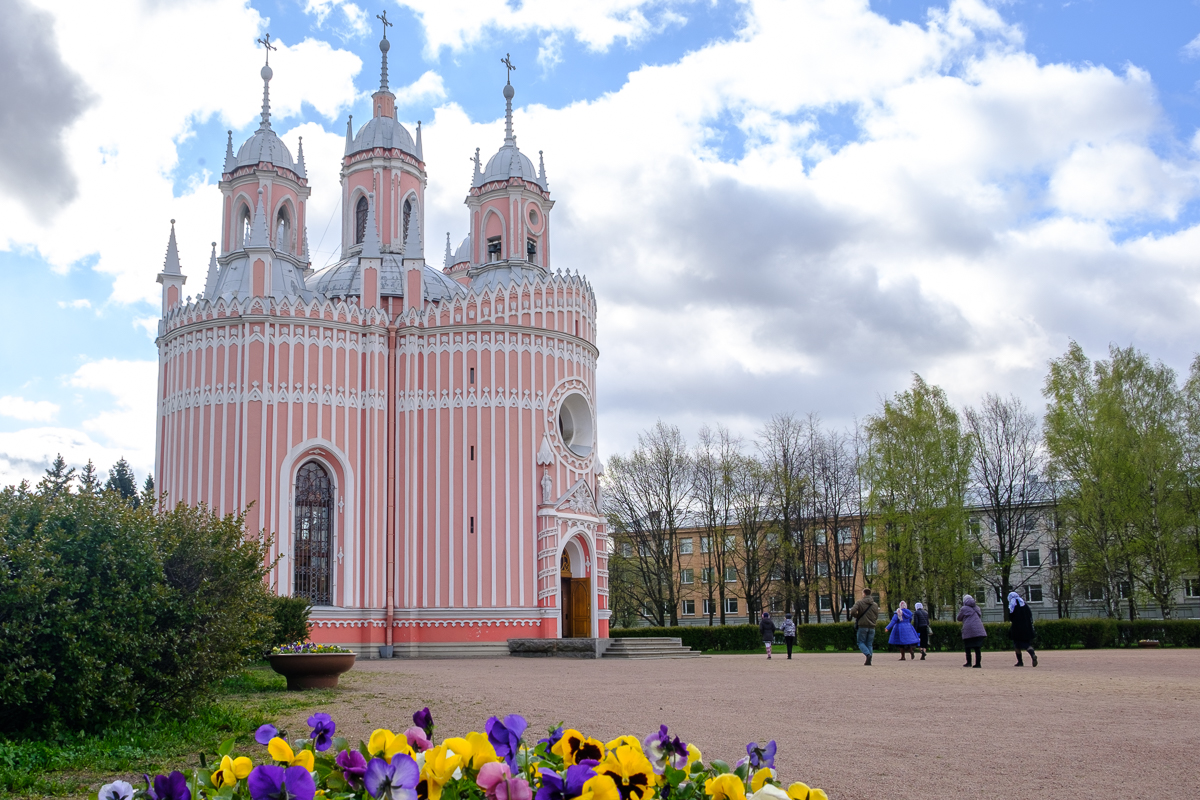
x,y
904,635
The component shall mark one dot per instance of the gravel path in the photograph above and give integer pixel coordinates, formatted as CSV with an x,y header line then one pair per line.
x,y
1083,724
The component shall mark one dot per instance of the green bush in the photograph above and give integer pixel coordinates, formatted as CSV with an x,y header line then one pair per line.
x,y
108,612
291,620
705,638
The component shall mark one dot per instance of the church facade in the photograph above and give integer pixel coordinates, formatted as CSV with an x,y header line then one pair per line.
x,y
419,442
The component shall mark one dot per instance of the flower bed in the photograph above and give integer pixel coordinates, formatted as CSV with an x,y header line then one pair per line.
x,y
311,666
304,648
494,765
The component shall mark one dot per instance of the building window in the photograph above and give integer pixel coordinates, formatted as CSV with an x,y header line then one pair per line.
x,y
1060,557
847,601
472,524
776,604
710,606
531,250
1124,590
685,546
731,574
822,538
977,561
1033,593
1031,558
871,568
689,608
1191,587
282,232
493,249
822,569
407,215
777,573
846,568
1094,593
706,575
980,595
626,550
704,544
685,576
312,550
845,535
730,543
472,375
472,452
731,606
825,603
244,228
974,527
360,220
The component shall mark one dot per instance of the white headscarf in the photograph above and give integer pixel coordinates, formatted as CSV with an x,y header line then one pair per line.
x,y
918,607
1014,600
904,605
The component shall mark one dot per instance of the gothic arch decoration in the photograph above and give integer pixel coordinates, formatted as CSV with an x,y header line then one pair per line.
x,y
283,227
243,219
312,544
360,219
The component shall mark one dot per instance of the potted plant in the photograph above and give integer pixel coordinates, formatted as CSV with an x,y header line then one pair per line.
x,y
1147,642
311,666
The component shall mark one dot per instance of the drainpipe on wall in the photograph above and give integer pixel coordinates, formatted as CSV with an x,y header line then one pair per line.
x,y
387,650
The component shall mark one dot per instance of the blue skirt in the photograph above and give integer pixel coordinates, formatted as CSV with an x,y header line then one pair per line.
x,y
903,633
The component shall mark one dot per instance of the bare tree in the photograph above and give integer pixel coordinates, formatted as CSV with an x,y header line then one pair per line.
x,y
782,445
1007,459
835,506
646,497
754,553
714,462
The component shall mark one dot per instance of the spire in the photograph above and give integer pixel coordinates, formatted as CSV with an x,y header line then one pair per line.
x,y
370,246
230,162
542,172
210,282
258,225
266,73
412,238
349,132
420,149
301,170
478,172
448,256
384,46
171,262
509,91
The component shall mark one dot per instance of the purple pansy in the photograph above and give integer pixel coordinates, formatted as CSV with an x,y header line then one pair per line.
x,y
505,737
265,733
555,788
354,766
424,720
761,756
663,750
168,787
397,780
552,738
322,730
272,782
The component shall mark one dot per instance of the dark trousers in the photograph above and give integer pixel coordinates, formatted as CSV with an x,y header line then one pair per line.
x,y
790,641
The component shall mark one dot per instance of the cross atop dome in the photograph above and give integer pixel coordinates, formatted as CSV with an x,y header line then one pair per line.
x,y
267,74
384,46
509,91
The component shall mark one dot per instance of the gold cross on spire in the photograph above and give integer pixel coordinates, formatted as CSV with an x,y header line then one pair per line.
x,y
507,62
266,42
384,19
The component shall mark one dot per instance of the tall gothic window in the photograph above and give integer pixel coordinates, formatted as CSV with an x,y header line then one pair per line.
x,y
282,232
360,220
244,228
407,215
313,548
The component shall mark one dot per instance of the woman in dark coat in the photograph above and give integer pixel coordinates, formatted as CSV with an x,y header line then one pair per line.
x,y
1022,628
921,623
767,628
973,632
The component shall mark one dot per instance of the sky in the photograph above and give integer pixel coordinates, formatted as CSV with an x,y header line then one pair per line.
x,y
782,205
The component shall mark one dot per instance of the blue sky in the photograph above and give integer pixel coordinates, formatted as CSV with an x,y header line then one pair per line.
x,y
821,223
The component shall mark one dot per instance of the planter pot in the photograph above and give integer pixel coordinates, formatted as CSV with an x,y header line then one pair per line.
x,y
312,670
1147,644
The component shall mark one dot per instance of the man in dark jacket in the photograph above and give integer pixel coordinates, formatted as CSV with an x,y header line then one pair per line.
x,y
866,612
1022,628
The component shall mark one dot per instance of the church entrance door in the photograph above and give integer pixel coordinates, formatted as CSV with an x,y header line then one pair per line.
x,y
575,602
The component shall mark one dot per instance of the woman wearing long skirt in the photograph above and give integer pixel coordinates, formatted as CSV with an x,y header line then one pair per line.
x,y
904,635
973,632
1022,628
921,623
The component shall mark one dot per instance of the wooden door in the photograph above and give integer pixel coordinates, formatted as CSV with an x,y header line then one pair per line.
x,y
581,609
564,599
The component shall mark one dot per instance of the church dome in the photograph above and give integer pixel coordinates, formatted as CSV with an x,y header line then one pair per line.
x,y
264,145
509,163
383,132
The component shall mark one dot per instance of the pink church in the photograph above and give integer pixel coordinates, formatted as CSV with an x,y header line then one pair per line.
x,y
420,442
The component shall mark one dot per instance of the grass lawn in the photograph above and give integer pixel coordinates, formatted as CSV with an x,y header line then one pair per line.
x,y
75,765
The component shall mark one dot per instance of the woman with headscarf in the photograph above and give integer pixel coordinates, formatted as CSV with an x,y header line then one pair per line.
x,y
921,623
1022,628
766,628
973,632
904,635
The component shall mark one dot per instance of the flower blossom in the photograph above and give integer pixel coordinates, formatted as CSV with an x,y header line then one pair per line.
x,y
662,750
761,756
396,779
168,787
323,727
272,782
353,765
265,734
117,790
505,737
424,720
556,788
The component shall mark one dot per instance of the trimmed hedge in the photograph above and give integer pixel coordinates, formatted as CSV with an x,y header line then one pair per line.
x,y
1052,634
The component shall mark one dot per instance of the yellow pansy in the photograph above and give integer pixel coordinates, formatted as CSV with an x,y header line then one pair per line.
x,y
622,741
601,787
386,744
693,755
725,787
440,764
631,771
817,794
798,791
281,751
231,771
761,777
574,747
475,750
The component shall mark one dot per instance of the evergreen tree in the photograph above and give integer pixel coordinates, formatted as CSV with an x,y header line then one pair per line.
x,y
89,481
148,496
122,481
58,478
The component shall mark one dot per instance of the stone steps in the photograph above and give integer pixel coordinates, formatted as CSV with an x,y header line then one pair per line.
x,y
649,647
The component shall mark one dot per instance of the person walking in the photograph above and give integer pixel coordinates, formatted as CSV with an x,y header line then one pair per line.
x,y
904,635
1021,632
766,627
865,613
973,632
789,633
921,623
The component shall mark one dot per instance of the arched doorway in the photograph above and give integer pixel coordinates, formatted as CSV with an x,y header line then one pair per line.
x,y
575,595
313,543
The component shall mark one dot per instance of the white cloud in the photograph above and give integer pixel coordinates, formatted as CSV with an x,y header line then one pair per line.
x,y
128,426
27,410
1192,48
82,302
425,89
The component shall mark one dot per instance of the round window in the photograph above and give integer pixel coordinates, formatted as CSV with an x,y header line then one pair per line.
x,y
575,424
533,216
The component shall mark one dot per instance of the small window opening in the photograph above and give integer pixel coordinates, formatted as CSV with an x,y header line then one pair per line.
x,y
408,207
576,327
360,220
245,237
472,524
531,249
472,452
493,249
472,375
282,232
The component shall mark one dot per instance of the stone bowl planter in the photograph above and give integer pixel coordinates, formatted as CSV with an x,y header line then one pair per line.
x,y
312,670
1148,643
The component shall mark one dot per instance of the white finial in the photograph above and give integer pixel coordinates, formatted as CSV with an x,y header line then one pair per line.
x,y
266,73
448,256
542,172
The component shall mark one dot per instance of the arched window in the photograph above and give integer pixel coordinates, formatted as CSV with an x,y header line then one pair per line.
x,y
360,220
408,206
312,554
244,228
283,231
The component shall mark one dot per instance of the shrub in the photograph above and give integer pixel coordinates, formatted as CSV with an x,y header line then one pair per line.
x,y
705,638
291,620
108,612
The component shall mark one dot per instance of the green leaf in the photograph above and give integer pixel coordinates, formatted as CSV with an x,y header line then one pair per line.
x,y
718,767
226,746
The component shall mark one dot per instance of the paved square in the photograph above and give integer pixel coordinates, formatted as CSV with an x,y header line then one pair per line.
x,y
1083,724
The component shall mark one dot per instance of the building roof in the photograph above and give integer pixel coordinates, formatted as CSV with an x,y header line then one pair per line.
x,y
345,279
